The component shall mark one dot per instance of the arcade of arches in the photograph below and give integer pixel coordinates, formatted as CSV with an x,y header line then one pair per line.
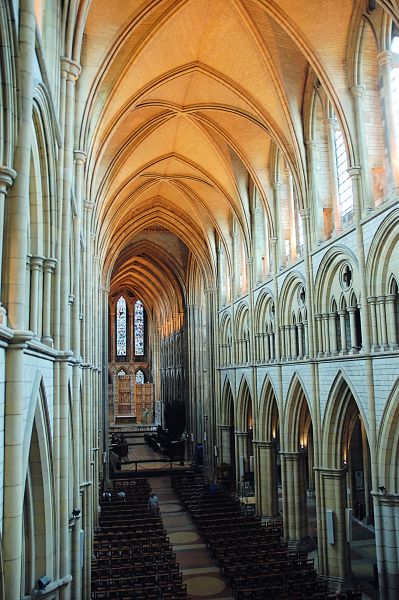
x,y
234,167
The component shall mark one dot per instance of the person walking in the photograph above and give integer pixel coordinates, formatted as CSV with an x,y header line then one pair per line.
x,y
153,503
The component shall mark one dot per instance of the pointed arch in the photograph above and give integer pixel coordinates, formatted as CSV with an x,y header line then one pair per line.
x,y
297,416
342,409
268,413
227,402
388,443
244,405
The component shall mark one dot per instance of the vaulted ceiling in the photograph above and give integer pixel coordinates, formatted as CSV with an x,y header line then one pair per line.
x,y
182,103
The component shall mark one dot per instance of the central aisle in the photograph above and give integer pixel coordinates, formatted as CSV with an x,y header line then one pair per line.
x,y
200,574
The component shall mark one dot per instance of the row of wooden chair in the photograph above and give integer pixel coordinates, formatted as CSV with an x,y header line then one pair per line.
x,y
134,559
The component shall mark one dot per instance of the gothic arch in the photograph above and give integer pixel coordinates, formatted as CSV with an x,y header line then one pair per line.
x,y
342,408
268,414
388,443
227,403
297,416
244,406
381,263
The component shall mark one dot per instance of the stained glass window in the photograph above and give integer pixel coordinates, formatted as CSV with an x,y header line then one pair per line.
x,y
395,85
138,328
121,373
345,193
121,327
139,376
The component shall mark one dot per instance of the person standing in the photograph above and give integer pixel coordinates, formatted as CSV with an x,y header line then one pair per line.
x,y
153,503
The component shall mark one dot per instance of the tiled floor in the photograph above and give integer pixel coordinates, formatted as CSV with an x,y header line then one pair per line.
x,y
200,573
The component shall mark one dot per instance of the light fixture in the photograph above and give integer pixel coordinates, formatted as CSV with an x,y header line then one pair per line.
x,y
43,582
381,489
75,513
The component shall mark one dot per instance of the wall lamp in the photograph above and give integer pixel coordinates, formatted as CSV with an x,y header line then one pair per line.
x,y
42,582
75,513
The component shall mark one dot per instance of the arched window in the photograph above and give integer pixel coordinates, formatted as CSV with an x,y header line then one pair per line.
x,y
138,328
139,376
395,85
121,327
345,192
121,373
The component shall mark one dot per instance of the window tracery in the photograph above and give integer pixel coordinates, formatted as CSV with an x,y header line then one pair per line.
x,y
121,327
138,328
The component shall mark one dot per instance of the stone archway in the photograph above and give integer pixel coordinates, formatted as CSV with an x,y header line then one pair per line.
x,y
344,481
266,452
297,460
244,440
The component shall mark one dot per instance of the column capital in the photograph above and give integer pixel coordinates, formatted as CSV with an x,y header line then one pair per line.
x,y
80,156
276,185
36,262
372,299
305,213
7,177
381,299
384,58
341,312
70,69
49,264
357,91
310,143
354,172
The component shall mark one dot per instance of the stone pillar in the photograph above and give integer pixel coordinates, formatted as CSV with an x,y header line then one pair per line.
x,y
36,264
49,265
372,300
325,327
294,499
14,280
294,349
224,441
335,552
352,323
333,333
383,322
241,454
342,327
278,228
318,318
7,177
386,513
306,339
300,340
266,490
391,321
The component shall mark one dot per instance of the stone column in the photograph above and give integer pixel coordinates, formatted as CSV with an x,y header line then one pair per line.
x,y
352,323
342,327
224,441
383,322
306,339
49,265
386,512
372,300
294,349
335,552
391,321
325,327
241,453
333,333
36,264
7,177
14,281
294,499
278,228
300,341
319,330
266,490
